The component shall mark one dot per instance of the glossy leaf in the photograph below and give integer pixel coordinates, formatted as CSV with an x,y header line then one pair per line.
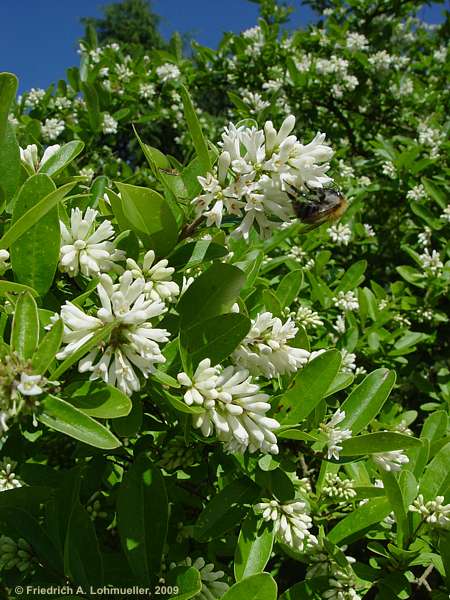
x,y
8,90
10,167
215,338
253,549
256,587
381,441
62,416
195,130
289,287
310,386
211,294
187,580
48,347
436,479
142,515
25,327
62,158
98,399
354,525
226,509
367,399
82,559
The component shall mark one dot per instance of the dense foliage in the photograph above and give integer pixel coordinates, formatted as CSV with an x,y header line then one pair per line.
x,y
200,392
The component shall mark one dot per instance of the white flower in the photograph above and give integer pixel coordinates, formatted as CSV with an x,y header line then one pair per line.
x,y
133,342
158,277
432,261
8,479
52,129
291,523
86,247
356,41
33,98
265,351
445,216
340,234
424,237
346,301
4,257
416,193
87,172
168,71
29,156
388,169
212,588
233,406
342,587
62,103
146,90
123,73
382,60
335,487
434,512
255,171
390,461
348,361
335,435
339,324
254,100
29,385
109,124
368,230
308,317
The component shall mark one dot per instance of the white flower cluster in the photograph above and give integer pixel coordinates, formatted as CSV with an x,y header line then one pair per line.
x,y
133,341
340,234
87,248
52,129
265,350
356,41
390,461
291,523
109,124
34,97
341,587
4,264
233,406
335,435
431,262
168,72
158,278
416,193
346,301
212,588
340,489
255,171
8,478
434,512
308,317
445,216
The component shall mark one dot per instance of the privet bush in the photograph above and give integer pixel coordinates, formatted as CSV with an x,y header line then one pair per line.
x,y
201,394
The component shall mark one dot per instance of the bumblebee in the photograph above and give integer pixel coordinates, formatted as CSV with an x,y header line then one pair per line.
x,y
319,206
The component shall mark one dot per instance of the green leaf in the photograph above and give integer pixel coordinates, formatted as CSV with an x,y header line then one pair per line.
x,y
340,382
62,157
9,287
34,257
436,478
226,509
352,277
215,338
211,294
289,287
195,130
62,416
98,399
92,103
34,214
10,167
253,549
353,526
142,516
256,587
8,91
311,589
187,580
381,441
82,559
193,254
395,497
150,217
48,347
367,399
25,327
310,386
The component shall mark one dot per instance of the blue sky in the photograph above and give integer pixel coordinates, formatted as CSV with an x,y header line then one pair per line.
x,y
39,37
